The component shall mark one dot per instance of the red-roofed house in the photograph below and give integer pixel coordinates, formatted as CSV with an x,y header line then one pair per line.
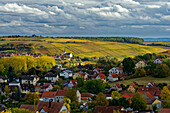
x,y
93,76
102,77
158,61
48,96
97,71
72,84
46,87
117,87
47,107
112,77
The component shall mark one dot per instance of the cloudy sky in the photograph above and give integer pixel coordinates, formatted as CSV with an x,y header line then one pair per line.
x,y
142,18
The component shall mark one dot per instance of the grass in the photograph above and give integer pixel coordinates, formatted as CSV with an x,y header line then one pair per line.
x,y
145,80
86,48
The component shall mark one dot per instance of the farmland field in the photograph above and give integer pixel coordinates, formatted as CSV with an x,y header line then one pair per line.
x,y
145,80
84,48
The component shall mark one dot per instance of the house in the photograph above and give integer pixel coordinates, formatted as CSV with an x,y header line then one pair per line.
x,y
151,84
116,70
93,76
131,88
151,103
80,74
140,64
29,79
3,79
60,94
47,96
14,84
26,88
51,77
97,71
158,61
117,87
47,107
102,77
66,74
112,77
72,84
86,96
109,109
46,87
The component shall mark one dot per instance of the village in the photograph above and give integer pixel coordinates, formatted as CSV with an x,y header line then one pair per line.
x,y
87,88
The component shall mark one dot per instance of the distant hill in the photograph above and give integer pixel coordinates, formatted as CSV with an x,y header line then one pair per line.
x,y
79,47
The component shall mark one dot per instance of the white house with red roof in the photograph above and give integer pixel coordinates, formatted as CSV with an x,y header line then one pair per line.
x,y
158,61
46,87
116,70
117,87
72,84
112,77
47,96
102,77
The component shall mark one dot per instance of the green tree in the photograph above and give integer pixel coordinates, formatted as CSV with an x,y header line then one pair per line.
x,y
101,100
161,71
139,73
123,102
32,98
115,95
138,102
17,110
80,81
55,88
6,89
128,65
94,86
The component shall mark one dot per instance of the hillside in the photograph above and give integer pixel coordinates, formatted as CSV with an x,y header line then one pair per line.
x,y
80,47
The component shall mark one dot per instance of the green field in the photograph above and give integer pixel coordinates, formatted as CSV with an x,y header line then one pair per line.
x,y
84,48
145,80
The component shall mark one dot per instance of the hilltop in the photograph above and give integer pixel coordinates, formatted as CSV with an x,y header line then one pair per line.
x,y
79,47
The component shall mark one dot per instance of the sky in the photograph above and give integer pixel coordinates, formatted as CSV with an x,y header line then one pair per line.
x,y
138,18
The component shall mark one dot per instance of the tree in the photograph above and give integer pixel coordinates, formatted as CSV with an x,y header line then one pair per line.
x,y
115,95
123,102
55,88
139,73
94,86
128,65
101,100
32,98
161,71
80,81
165,93
6,89
138,102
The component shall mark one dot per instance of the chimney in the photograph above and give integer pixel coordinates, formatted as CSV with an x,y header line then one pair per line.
x,y
50,103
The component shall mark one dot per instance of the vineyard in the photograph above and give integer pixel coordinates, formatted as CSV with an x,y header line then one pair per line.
x,y
83,47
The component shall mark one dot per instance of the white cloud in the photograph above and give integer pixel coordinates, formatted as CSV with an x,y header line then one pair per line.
x,y
13,7
12,23
153,6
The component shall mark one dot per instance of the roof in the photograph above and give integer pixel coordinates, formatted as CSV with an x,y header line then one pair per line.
x,y
2,77
86,95
82,74
114,75
61,92
48,94
150,100
102,76
93,76
28,107
165,110
55,107
118,85
128,95
46,85
50,74
74,82
84,98
104,109
118,68
161,59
